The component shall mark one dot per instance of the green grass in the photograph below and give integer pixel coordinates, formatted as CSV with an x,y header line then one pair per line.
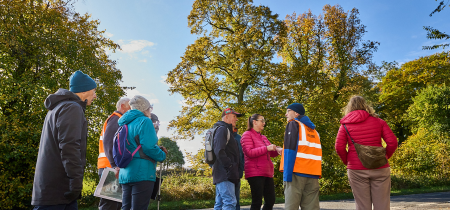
x,y
199,204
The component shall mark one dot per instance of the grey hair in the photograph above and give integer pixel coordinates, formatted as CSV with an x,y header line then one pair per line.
x,y
123,100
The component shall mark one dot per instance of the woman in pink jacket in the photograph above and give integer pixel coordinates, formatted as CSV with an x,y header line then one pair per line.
x,y
258,165
369,186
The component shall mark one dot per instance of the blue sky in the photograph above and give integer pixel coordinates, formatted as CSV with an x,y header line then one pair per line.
x,y
154,34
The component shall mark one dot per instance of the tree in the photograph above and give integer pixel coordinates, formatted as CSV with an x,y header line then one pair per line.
x,y
226,64
198,164
431,110
326,61
433,33
174,157
401,85
425,154
42,43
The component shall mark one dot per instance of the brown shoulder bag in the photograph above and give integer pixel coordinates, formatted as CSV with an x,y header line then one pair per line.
x,y
370,156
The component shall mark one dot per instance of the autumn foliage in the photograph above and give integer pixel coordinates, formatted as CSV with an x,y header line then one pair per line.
x,y
42,43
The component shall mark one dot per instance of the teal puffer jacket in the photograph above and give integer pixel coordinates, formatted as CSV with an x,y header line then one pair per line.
x,y
140,169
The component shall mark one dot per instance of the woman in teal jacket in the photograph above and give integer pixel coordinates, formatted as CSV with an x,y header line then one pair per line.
x,y
139,176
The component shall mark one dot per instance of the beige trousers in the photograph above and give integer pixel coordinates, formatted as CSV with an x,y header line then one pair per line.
x,y
371,187
303,192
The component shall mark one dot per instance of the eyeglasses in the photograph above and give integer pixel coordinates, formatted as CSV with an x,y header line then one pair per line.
x,y
262,120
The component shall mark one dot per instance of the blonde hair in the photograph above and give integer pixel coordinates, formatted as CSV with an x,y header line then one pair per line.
x,y
359,103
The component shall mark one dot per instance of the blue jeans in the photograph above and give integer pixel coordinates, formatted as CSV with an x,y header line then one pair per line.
x,y
137,195
237,190
225,196
70,206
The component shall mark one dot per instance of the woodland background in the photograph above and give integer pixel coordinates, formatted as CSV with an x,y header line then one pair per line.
x,y
245,57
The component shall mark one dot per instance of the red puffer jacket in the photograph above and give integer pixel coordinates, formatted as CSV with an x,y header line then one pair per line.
x,y
365,130
257,158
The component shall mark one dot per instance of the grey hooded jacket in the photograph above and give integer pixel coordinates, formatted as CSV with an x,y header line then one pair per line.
x,y
62,151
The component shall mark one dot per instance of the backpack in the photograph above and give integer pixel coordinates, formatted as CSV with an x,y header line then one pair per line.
x,y
122,156
210,157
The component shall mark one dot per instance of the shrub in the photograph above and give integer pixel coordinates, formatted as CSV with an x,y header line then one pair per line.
x,y
422,160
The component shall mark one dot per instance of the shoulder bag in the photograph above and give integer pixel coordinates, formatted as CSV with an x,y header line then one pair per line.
x,y
370,156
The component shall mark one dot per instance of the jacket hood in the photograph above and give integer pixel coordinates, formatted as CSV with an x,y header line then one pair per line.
x,y
62,95
356,116
129,116
306,121
222,123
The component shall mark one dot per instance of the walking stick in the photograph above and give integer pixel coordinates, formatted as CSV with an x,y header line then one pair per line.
x,y
159,190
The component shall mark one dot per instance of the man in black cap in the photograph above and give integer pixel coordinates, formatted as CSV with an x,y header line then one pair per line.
x,y
226,167
58,179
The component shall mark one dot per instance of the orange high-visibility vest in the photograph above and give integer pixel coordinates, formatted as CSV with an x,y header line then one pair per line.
x,y
103,162
309,152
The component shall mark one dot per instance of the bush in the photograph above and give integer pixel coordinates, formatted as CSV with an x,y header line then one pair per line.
x,y
87,195
190,187
421,161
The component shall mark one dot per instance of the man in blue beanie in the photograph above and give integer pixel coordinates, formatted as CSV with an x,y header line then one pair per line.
x,y
301,160
58,178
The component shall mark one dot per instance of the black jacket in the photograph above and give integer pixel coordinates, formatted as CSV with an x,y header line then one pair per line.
x,y
62,151
226,166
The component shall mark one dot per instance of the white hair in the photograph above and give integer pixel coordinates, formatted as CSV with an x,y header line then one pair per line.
x,y
123,100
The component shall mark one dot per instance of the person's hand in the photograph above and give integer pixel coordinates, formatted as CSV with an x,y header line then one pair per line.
x,y
271,147
163,149
117,172
279,150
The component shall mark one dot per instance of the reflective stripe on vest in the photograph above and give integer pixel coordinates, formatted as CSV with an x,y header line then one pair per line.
x,y
309,152
103,161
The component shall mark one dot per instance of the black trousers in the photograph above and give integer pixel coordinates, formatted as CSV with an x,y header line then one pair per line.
x,y
262,186
137,195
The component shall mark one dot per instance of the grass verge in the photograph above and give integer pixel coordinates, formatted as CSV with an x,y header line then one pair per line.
x,y
199,204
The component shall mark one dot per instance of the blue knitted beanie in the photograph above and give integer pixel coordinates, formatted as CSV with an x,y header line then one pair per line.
x,y
80,82
297,107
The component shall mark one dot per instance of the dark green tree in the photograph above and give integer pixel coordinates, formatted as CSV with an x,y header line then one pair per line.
x,y
42,43
175,157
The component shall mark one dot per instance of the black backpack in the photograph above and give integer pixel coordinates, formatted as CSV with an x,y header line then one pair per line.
x,y
210,157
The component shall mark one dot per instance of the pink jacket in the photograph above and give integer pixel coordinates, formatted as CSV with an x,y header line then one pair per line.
x,y
257,158
365,130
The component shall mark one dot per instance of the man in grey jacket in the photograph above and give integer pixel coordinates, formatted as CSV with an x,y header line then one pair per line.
x,y
58,178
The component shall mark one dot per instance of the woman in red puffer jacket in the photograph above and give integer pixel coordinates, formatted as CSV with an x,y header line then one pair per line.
x,y
369,186
258,165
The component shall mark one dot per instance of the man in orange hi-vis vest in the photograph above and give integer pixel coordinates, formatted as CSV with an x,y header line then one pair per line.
x,y
301,161
105,146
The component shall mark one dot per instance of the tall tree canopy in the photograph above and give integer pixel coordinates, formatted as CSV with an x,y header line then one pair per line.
x,y
41,44
232,56
324,61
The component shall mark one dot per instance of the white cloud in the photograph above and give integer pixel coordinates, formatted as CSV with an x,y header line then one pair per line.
x,y
144,60
109,34
149,96
135,45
